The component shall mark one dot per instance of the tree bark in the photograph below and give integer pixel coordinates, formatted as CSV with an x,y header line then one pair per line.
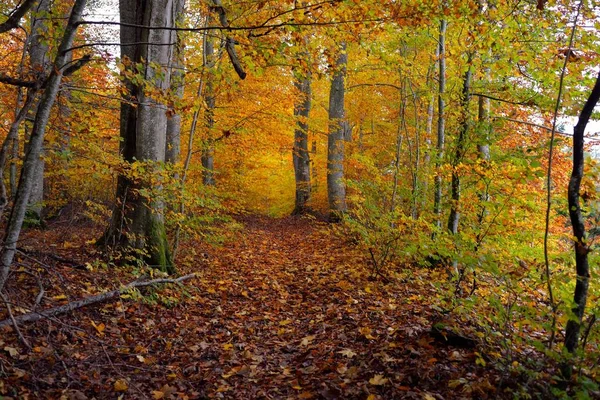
x,y
582,248
38,56
336,190
441,124
459,153
35,145
138,219
208,149
173,149
300,154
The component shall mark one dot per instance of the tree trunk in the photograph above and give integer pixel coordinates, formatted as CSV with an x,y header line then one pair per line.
x,y
461,143
138,219
300,152
208,149
336,190
441,123
36,141
483,148
38,57
582,248
173,149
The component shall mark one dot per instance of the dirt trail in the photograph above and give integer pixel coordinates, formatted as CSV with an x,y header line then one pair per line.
x,y
286,310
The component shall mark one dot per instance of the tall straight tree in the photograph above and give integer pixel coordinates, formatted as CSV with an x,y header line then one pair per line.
x,y
173,148
582,247
138,219
300,154
36,140
441,123
459,151
208,148
40,63
336,190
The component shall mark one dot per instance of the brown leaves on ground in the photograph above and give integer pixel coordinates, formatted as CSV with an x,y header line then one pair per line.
x,y
286,310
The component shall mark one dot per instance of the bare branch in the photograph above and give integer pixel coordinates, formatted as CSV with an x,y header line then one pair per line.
x,y
17,82
36,316
14,18
229,42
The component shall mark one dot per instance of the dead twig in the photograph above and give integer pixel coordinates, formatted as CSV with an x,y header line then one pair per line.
x,y
36,316
13,320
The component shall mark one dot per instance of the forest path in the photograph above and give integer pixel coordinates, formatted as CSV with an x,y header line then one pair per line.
x,y
285,309
289,311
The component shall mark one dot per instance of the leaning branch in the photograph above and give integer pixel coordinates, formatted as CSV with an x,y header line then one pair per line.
x,y
36,316
528,103
229,42
16,82
14,18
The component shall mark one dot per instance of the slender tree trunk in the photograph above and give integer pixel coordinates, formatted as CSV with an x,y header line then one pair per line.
x,y
483,148
336,190
208,149
300,152
173,149
38,56
35,145
398,147
461,143
441,123
582,248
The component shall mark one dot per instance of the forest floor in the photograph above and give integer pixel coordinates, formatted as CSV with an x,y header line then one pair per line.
x,y
285,309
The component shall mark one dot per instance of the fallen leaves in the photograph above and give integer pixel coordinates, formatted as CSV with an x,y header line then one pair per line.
x,y
378,380
302,322
121,385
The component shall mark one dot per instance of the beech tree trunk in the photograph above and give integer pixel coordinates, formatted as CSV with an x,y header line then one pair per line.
x,y
483,147
38,57
336,190
173,149
138,219
208,149
300,152
441,124
34,148
459,153
582,248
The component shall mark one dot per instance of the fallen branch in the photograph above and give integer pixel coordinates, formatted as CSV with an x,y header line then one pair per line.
x,y
36,316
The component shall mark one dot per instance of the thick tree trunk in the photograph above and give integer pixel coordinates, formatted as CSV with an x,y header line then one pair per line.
x,y
300,152
582,248
441,124
459,153
336,190
138,219
36,141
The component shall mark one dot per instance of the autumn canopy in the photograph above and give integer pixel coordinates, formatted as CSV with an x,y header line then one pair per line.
x,y
299,199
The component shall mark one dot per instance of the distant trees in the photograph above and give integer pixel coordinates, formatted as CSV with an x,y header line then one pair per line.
x,y
300,153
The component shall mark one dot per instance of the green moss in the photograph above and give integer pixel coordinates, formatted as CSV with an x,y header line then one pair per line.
x,y
158,251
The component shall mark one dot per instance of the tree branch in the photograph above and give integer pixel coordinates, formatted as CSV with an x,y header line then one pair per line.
x,y
14,18
229,42
17,82
528,102
36,316
71,69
